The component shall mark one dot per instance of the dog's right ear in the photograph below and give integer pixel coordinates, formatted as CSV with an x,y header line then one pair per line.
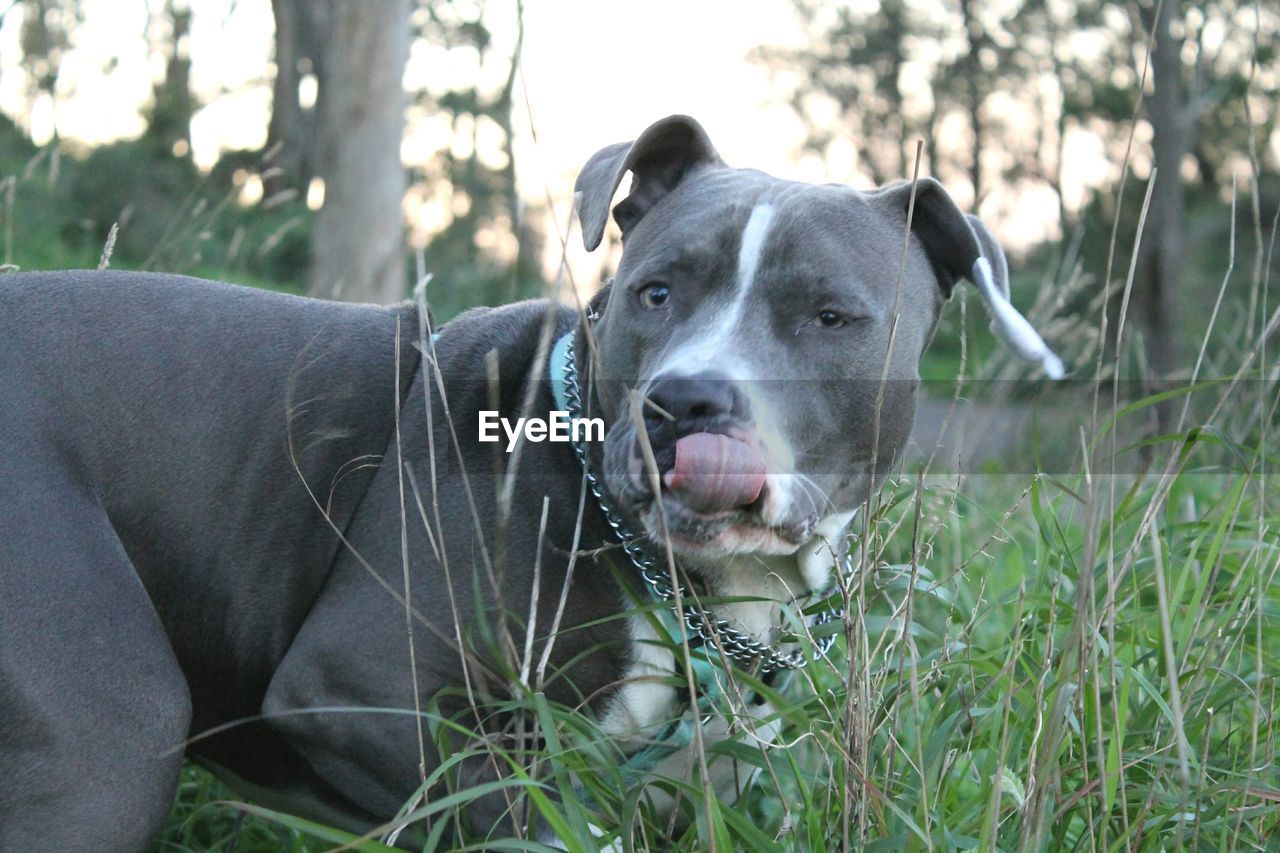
x,y
960,247
667,152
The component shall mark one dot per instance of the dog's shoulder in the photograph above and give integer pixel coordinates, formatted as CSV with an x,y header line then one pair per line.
x,y
513,332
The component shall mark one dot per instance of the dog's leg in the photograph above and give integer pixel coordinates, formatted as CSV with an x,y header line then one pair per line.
x,y
93,705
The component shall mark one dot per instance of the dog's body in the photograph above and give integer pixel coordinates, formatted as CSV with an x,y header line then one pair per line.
x,y
163,452
214,499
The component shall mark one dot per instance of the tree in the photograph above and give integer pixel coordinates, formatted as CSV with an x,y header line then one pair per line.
x,y
489,250
976,39
302,35
1196,104
856,59
869,61
1213,102
46,36
1172,121
169,117
357,240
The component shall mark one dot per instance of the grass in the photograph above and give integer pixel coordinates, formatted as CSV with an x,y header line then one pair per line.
x,y
1010,691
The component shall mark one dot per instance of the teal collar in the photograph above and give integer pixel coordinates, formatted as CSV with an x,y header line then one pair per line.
x,y
558,365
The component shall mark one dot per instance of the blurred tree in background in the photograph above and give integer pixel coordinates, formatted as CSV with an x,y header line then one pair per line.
x,y
333,61
489,243
173,105
303,29
46,35
357,240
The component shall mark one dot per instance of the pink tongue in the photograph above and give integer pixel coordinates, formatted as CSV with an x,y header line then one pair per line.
x,y
715,473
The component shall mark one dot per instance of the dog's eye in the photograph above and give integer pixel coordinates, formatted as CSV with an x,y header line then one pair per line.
x,y
829,320
654,295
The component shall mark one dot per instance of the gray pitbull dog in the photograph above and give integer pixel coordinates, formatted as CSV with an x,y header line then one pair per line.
x,y
214,500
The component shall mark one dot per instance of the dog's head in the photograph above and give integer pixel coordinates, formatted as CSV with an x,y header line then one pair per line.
x,y
761,338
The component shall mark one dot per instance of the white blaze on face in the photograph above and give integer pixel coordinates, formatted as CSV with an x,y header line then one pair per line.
x,y
717,340
753,237
720,345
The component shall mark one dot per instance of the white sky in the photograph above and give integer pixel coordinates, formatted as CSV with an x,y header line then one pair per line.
x,y
599,72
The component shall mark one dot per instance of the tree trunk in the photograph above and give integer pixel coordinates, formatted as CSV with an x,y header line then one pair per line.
x,y
169,126
302,36
897,30
931,139
973,69
1057,171
284,131
357,241
1161,263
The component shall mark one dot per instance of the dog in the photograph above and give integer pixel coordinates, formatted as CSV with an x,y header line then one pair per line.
x,y
237,521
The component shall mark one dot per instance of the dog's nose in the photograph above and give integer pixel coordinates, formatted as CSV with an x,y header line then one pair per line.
x,y
676,404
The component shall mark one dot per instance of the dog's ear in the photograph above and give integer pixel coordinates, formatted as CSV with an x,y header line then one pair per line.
x,y
961,247
596,306
667,152
953,241
992,251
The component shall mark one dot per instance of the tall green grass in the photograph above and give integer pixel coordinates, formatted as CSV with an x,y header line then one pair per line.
x,y
1028,668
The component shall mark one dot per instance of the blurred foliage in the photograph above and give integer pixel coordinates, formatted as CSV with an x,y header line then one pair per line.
x,y
886,73
45,37
995,90
170,217
475,180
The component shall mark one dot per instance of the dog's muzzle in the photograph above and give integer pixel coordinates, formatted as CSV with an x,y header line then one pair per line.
x,y
713,488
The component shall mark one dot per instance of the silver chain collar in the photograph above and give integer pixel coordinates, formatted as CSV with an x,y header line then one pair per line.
x,y
701,625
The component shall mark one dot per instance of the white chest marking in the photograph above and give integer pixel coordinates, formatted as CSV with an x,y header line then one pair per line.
x,y
646,699
823,554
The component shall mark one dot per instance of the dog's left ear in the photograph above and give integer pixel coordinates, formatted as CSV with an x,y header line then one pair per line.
x,y
596,306
960,246
664,155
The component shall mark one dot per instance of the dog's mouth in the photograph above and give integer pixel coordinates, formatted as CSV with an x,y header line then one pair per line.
x,y
715,473
718,534
714,495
